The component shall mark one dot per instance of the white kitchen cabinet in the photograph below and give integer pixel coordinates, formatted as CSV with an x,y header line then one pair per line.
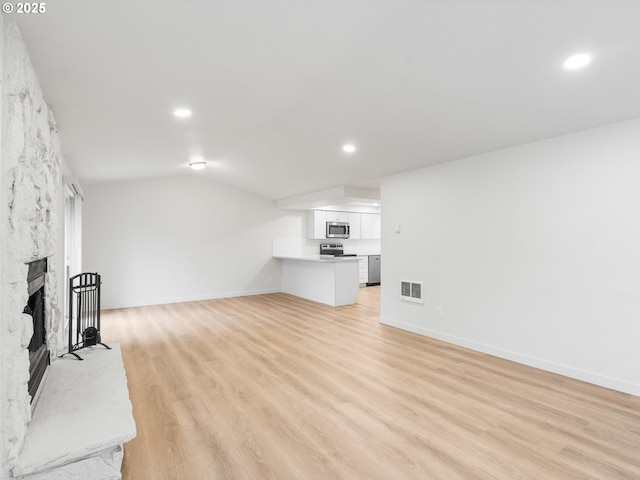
x,y
354,225
377,225
370,225
362,225
363,270
317,224
337,216
366,225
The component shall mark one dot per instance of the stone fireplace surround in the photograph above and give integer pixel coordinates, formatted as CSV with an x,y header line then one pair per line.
x,y
31,220
30,187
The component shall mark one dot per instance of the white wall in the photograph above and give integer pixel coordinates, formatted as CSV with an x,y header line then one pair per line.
x,y
532,252
179,239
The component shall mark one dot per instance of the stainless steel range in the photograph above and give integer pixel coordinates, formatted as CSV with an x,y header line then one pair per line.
x,y
334,250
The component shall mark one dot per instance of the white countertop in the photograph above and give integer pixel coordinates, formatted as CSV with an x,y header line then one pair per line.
x,y
318,258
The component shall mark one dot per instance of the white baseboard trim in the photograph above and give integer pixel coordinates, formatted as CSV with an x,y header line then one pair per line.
x,y
195,298
571,372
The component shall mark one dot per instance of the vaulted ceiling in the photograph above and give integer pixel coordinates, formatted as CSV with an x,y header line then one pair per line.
x,y
277,87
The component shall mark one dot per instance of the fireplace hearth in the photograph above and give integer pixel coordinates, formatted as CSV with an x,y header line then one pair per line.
x,y
38,351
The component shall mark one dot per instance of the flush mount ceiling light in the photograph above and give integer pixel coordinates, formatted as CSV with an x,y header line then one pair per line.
x,y
577,61
349,148
199,165
182,112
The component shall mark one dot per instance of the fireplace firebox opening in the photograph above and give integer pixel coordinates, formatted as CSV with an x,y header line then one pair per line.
x,y
38,351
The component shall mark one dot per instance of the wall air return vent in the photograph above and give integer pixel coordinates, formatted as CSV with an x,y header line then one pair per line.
x,y
411,291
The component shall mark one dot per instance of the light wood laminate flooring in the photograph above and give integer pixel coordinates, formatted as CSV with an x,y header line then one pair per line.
x,y
277,387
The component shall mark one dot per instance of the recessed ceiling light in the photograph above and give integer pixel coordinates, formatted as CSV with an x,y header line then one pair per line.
x,y
577,61
348,148
199,165
182,112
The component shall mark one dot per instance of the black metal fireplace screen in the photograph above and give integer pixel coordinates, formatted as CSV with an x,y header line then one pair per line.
x,y
84,312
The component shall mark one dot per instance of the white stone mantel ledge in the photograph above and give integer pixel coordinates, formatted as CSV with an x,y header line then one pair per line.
x,y
82,419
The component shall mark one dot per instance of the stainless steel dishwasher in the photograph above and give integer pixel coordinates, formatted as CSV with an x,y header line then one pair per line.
x,y
374,270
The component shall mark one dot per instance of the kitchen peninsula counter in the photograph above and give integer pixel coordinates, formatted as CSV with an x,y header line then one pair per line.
x,y
324,279
317,258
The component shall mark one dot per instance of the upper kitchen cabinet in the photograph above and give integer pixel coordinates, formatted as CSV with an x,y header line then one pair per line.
x,y
377,225
369,225
337,216
354,225
317,224
361,225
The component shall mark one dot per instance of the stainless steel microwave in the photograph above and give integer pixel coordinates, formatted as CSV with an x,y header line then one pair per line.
x,y
337,230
